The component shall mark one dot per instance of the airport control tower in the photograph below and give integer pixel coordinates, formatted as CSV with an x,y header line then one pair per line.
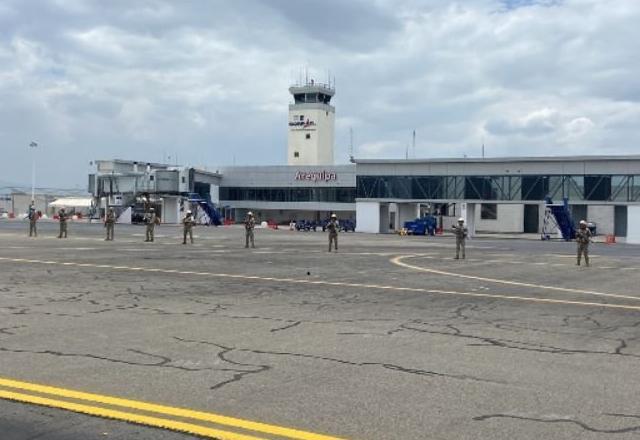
x,y
311,124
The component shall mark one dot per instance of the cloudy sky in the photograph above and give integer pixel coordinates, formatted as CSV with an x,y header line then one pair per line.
x,y
206,81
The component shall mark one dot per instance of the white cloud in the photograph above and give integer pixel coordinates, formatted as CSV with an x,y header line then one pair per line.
x,y
94,79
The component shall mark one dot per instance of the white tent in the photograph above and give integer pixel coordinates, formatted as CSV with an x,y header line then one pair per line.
x,y
72,202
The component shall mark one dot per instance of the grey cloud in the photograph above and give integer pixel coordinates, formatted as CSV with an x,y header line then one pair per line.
x,y
208,79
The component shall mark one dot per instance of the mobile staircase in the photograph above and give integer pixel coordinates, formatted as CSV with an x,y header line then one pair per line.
x,y
557,217
207,206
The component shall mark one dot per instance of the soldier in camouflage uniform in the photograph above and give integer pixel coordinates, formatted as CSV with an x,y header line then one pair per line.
x,y
460,232
62,217
188,223
109,223
151,220
333,226
583,238
249,225
33,218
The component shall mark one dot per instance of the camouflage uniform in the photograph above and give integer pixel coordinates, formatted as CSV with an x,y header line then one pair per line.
x,y
62,216
188,228
460,232
583,238
152,219
109,223
249,224
33,218
333,226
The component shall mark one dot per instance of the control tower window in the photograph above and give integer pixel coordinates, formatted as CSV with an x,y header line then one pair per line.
x,y
302,118
296,154
299,98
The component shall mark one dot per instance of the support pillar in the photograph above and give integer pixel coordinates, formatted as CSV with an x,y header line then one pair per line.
x,y
468,213
368,217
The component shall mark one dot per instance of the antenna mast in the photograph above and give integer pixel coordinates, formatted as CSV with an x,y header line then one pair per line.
x,y
414,144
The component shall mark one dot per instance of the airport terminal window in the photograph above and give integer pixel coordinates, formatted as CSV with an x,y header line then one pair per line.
x,y
597,187
530,188
620,186
634,189
480,188
534,187
335,195
489,211
574,187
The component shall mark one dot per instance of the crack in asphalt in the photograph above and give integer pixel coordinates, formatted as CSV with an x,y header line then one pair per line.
x,y
558,420
388,366
521,345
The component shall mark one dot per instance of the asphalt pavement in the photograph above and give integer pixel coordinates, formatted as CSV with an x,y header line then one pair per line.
x,y
390,338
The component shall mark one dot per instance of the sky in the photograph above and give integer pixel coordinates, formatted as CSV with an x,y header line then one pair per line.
x,y
205,82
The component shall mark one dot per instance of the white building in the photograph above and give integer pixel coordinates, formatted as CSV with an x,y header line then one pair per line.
x,y
493,195
311,125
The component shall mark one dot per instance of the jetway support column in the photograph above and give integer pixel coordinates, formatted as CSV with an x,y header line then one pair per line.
x,y
368,217
468,213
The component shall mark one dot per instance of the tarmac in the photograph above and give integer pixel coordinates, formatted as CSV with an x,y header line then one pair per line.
x,y
390,338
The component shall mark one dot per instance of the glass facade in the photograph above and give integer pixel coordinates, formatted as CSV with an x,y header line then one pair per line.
x,y
303,194
606,188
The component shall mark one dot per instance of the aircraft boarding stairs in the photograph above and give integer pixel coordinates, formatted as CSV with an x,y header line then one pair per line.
x,y
557,217
208,207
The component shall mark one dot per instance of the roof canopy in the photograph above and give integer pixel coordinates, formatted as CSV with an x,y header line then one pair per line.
x,y
72,202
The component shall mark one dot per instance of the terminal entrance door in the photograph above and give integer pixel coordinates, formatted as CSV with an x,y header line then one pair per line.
x,y
531,219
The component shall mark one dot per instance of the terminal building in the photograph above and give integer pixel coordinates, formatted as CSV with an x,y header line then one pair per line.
x,y
504,195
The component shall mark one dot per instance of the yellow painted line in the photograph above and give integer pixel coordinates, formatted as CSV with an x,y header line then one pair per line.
x,y
398,261
262,428
395,288
127,417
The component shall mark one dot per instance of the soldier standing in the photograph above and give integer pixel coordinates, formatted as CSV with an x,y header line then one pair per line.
x,y
62,217
109,223
460,232
33,218
188,227
583,238
333,226
151,220
249,224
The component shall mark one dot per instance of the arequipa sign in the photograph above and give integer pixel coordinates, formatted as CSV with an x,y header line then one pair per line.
x,y
317,176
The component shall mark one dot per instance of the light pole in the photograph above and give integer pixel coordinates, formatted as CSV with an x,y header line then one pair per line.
x,y
33,145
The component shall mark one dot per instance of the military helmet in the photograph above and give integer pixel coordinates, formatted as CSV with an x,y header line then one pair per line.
x,y
334,216
151,209
250,214
188,212
460,220
583,223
